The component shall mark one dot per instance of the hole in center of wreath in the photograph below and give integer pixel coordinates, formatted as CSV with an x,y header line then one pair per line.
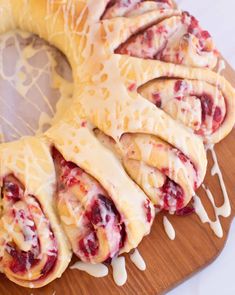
x,y
35,85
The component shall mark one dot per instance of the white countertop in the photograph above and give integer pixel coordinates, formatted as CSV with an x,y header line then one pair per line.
x,y
218,18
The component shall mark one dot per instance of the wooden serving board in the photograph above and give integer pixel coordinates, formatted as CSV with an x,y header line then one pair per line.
x,y
169,263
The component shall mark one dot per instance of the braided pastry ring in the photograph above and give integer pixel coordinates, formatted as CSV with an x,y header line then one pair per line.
x,y
76,22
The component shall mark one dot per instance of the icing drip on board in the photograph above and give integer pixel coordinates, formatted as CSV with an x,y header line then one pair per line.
x,y
119,270
118,265
224,210
96,270
169,229
138,260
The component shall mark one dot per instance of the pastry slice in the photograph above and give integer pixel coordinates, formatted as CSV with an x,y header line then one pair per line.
x,y
197,104
33,249
166,175
102,211
175,38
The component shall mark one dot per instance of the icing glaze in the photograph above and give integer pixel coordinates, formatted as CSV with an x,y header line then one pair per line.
x,y
96,270
138,260
119,270
224,210
169,229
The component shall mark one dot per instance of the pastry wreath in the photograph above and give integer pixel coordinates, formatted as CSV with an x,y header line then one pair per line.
x,y
105,99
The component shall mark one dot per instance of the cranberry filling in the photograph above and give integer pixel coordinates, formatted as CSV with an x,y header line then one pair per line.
x,y
21,260
50,264
69,171
185,211
157,99
123,235
132,87
95,216
148,210
217,115
207,105
89,245
100,214
173,195
178,85
182,157
12,191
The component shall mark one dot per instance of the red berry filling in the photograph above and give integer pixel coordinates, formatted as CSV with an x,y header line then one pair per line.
x,y
50,264
21,260
69,171
207,105
101,211
217,115
185,211
178,85
182,157
132,87
173,195
157,99
209,109
12,191
89,245
148,210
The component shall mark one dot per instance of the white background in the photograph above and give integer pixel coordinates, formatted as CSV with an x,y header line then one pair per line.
x,y
218,17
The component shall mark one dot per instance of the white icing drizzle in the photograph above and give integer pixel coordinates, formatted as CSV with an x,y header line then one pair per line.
x,y
169,229
119,271
98,270
224,210
118,265
138,260
202,214
221,66
38,79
